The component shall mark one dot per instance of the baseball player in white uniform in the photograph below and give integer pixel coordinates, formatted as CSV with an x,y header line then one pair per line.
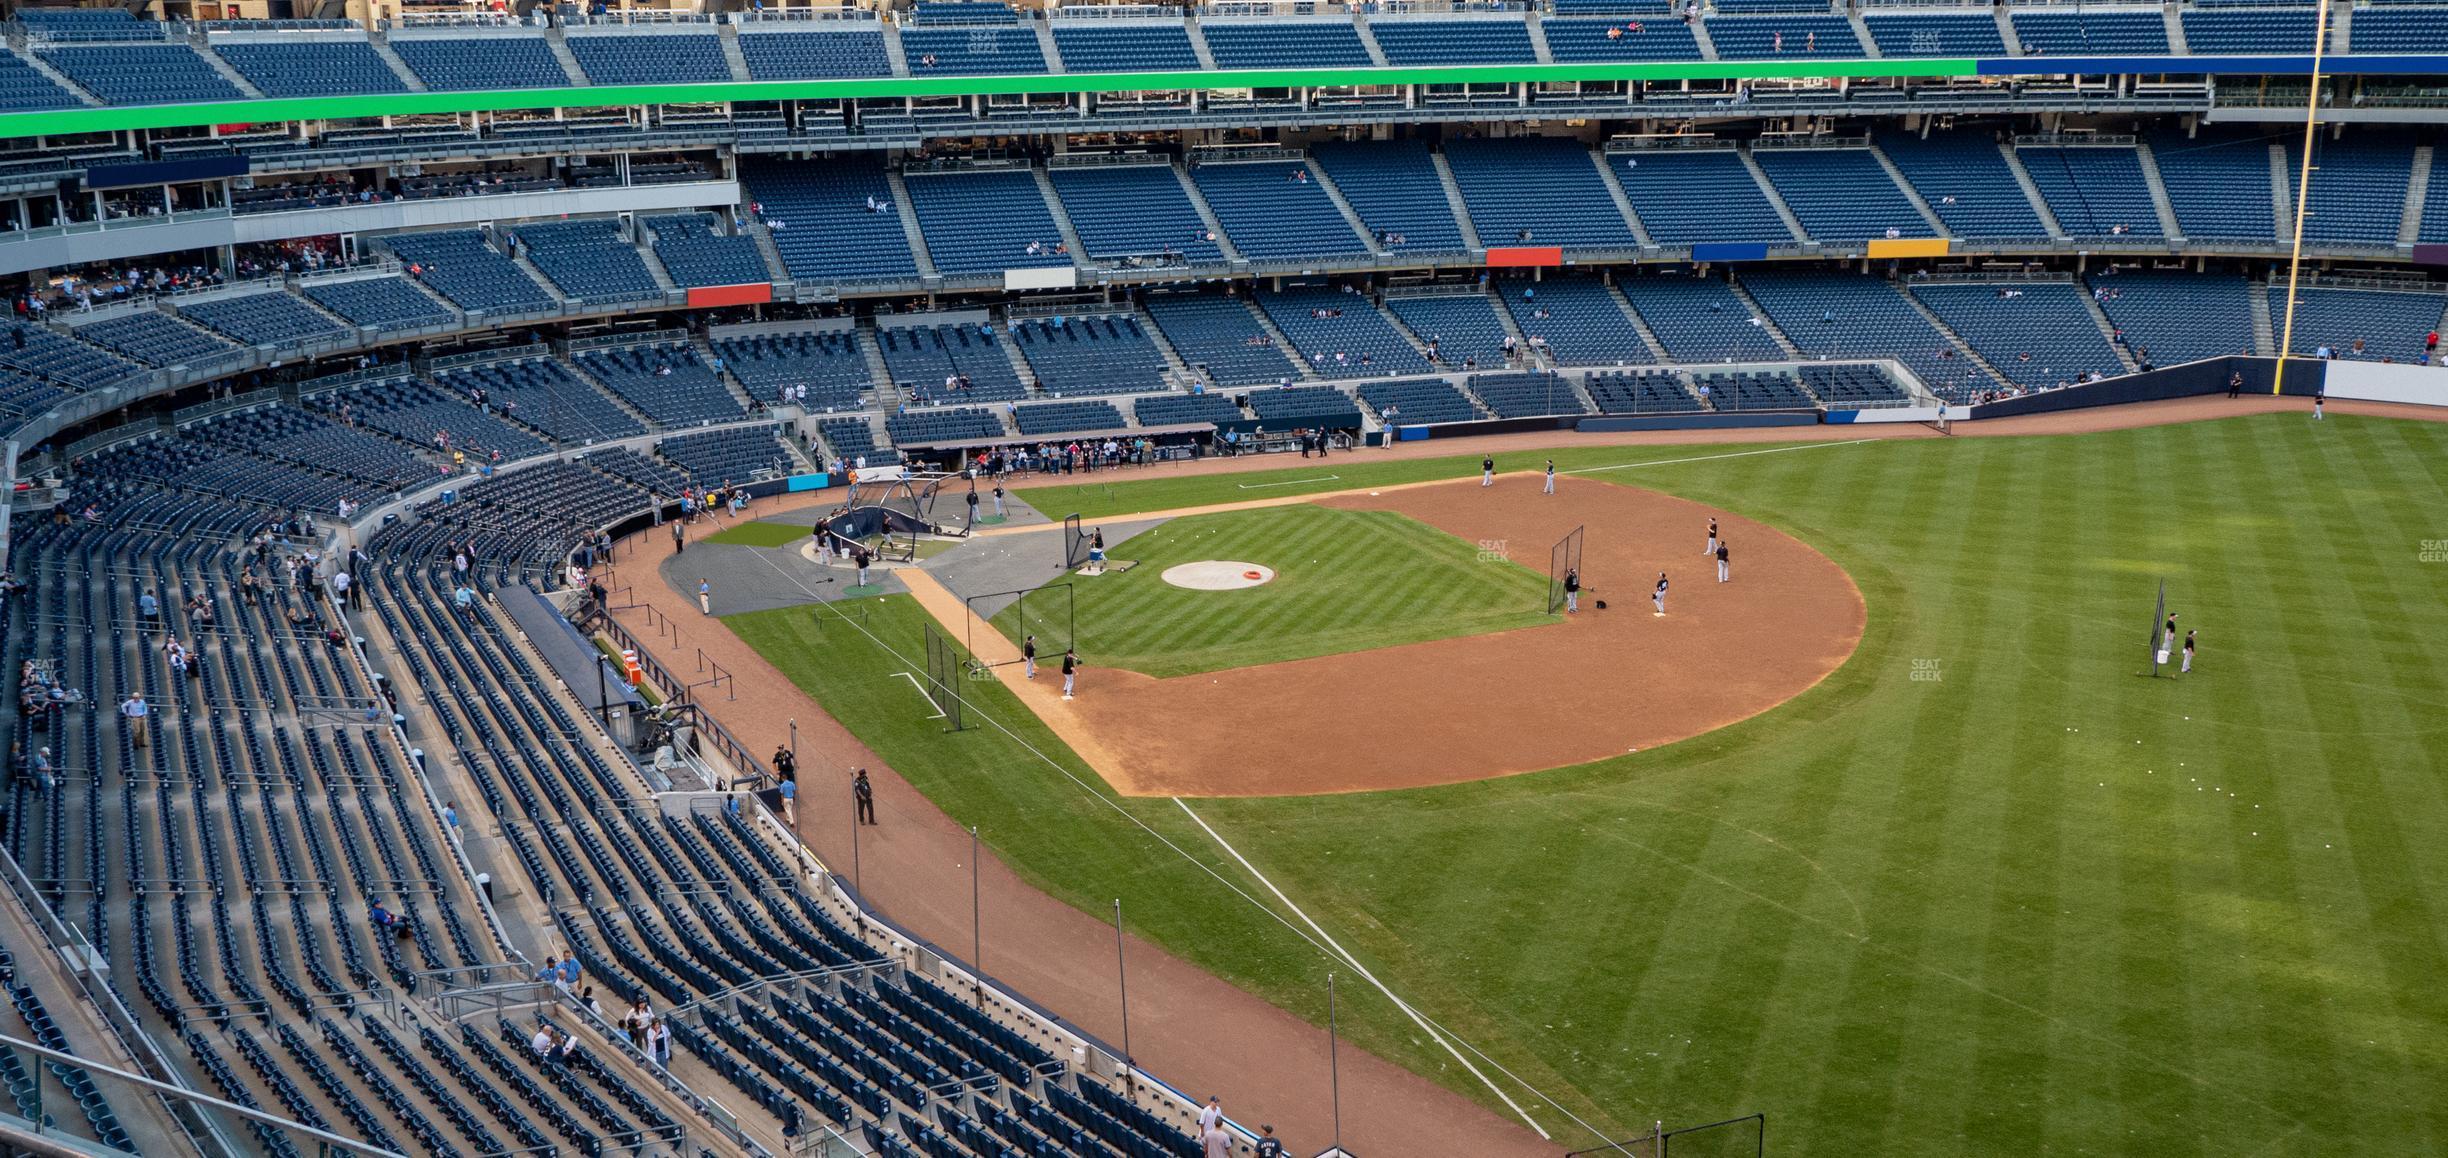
x,y
1551,476
1657,598
1711,549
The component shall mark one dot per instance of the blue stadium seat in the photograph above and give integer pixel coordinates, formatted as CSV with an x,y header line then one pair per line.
x,y
1841,195
306,68
1342,334
2272,31
924,359
1216,334
665,380
1121,211
1099,354
2099,32
830,364
486,62
2358,185
2218,182
922,426
2390,324
1527,395
2392,29
388,302
265,319
827,229
1285,44
588,260
1536,191
1846,316
1652,36
673,58
1911,34
1183,409
1459,330
2178,317
1685,196
1575,320
1045,418
141,74
1419,401
984,221
2039,335
1394,187
1966,181
1275,209
853,51
1699,319
461,266
155,339
2093,190
1792,37
24,90
971,50
695,255
1125,45
1494,40
1641,392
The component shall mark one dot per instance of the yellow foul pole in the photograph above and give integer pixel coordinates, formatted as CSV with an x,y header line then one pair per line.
x,y
2303,192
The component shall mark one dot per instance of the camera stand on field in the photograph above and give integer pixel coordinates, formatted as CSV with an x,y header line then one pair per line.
x,y
1563,559
1050,613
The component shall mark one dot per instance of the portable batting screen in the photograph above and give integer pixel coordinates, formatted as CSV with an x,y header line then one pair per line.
x,y
2158,619
1050,613
943,662
1075,543
1563,559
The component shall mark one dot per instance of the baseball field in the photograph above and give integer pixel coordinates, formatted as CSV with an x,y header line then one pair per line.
x,y
1986,887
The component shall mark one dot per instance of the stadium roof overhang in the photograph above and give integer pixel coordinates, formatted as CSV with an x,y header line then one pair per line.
x,y
281,110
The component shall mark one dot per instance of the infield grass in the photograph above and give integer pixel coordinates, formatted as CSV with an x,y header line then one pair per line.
x,y
1986,890
1344,581
760,534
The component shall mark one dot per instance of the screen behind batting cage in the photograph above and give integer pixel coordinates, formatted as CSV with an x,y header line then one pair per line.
x,y
1075,543
1565,556
943,670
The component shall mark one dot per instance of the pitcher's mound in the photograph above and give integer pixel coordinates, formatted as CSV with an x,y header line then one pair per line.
x,y
1217,575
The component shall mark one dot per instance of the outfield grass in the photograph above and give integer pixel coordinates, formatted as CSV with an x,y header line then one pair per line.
x,y
760,534
1344,581
2036,904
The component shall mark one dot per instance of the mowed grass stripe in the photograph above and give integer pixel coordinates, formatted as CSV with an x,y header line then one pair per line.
x,y
1344,581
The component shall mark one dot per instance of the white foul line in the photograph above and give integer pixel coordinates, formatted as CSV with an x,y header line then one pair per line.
x,y
930,696
1712,457
1290,482
1362,970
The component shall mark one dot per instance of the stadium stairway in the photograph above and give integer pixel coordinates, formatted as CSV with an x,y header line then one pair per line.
x,y
1453,192
774,269
2418,191
1640,325
909,222
2282,187
1351,217
654,265
1615,193
561,53
1776,200
893,53
35,61
1368,40
1937,323
382,48
2031,192
1291,350
1020,367
1174,364
1198,41
1513,330
1062,218
1207,216
1861,31
888,392
739,393
1045,43
627,407
2265,328
1767,324
728,33
2173,14
237,79
2004,14
1919,204
1700,35
2107,329
2158,189
1538,45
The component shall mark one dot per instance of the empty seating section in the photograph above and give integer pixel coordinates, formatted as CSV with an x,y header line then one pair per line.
x,y
985,221
2038,335
41,352
387,302
696,256
821,222
427,415
2179,317
1394,188
830,364
2389,323
2092,190
1276,404
490,62
266,319
2249,30
1536,191
1527,395
2358,186
1653,36
1852,384
2433,225
724,456
461,266
589,260
542,393
1124,46
288,434
319,67
23,397
1752,390
1700,319
141,74
1217,335
1846,316
1576,320
1841,194
1640,392
950,363
1458,329
1285,44
2379,29
1965,180
1499,40
1274,210
1689,196
154,339
964,12
1066,417
972,51
66,23
1183,409
666,380
845,54
23,90
678,58
1784,37
2218,182
1092,355
1935,33
1342,334
922,426
852,439
1133,210
1419,401
2099,32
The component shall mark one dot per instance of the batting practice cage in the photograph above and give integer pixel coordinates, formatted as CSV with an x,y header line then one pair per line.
x,y
1075,543
1562,559
943,662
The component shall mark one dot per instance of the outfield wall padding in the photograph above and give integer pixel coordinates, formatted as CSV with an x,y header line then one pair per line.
x,y
1615,423
2389,382
2305,377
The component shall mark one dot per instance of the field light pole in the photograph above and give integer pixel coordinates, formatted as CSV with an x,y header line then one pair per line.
x,y
794,727
2303,192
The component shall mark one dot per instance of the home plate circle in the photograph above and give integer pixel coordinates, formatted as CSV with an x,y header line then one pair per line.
x,y
1217,575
